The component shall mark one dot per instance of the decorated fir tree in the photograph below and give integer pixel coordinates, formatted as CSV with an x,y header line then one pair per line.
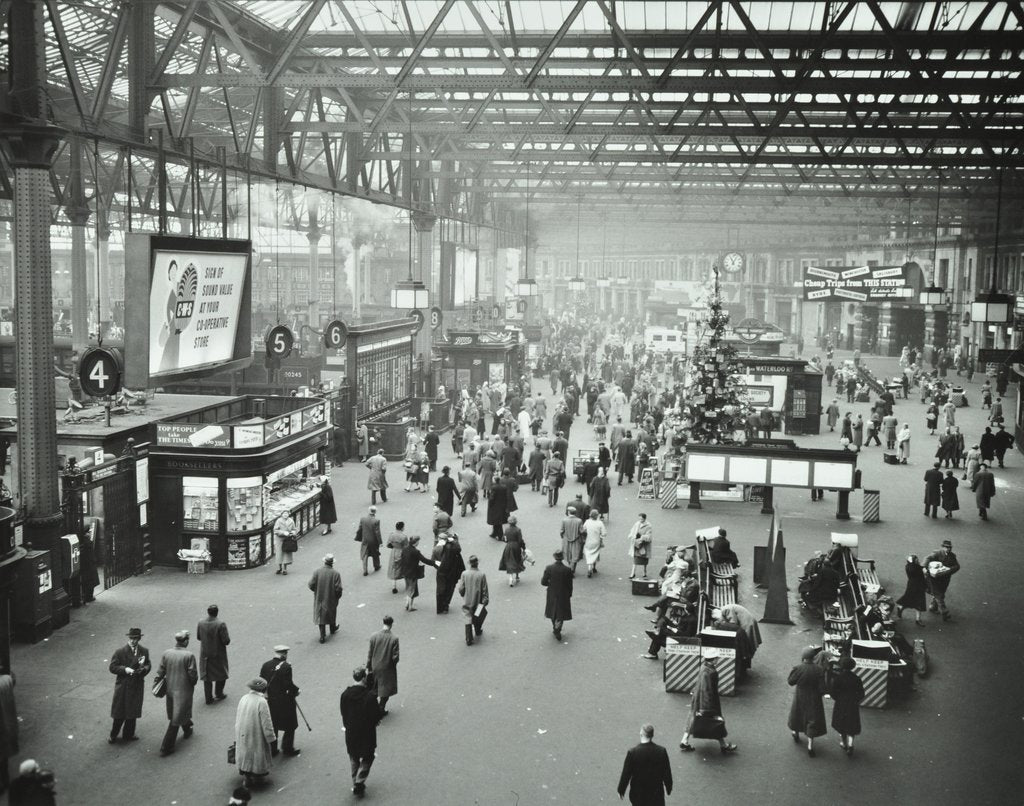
x,y
716,391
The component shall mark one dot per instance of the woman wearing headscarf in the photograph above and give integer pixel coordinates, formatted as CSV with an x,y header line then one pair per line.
x,y
397,541
807,714
903,443
255,738
594,531
846,691
512,555
705,719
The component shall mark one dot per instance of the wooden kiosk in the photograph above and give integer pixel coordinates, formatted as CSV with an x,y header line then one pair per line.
x,y
787,385
225,473
471,357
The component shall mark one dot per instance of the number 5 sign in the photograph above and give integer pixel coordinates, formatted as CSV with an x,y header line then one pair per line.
x,y
280,342
99,371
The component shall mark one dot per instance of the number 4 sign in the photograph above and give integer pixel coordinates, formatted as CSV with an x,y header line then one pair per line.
x,y
99,371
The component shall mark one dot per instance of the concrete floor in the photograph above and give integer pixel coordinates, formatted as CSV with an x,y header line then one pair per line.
x,y
521,719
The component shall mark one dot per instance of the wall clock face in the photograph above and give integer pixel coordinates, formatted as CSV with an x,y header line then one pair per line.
x,y
733,262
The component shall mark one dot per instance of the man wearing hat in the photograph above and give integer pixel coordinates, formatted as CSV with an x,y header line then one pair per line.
x,y
557,579
326,587
984,487
941,565
473,589
255,739
1003,442
281,694
130,664
213,637
382,661
180,673
932,490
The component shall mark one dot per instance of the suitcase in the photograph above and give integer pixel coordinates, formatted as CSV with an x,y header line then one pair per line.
x,y
645,587
890,458
523,479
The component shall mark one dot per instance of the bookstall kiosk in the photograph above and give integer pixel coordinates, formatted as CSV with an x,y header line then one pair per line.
x,y
226,472
470,358
787,385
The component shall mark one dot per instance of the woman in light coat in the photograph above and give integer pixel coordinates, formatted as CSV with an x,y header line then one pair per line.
x,y
903,443
972,463
595,531
254,733
640,545
397,541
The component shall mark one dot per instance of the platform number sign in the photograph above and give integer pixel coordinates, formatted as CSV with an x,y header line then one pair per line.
x,y
280,342
99,372
495,312
335,335
417,314
478,316
436,318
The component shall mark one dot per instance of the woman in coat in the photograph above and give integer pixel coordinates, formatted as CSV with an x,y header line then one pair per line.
x,y
987,445
931,418
600,492
363,437
914,595
640,539
594,531
847,691
847,430
499,508
747,622
858,431
412,563
397,541
254,733
328,511
512,556
903,443
706,703
485,470
950,498
833,414
972,463
807,714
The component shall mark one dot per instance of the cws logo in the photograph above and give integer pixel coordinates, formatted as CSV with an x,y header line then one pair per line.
x,y
185,297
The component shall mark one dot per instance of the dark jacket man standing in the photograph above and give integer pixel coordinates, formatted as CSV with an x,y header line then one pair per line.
x,y
646,772
370,539
131,664
281,694
473,589
382,661
212,634
360,714
983,487
932,490
557,579
447,491
430,443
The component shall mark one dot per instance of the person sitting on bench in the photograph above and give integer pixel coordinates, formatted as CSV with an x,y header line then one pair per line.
x,y
819,586
721,551
680,622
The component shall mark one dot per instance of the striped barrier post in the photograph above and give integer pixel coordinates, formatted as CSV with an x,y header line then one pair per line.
x,y
669,494
874,674
872,506
726,667
682,663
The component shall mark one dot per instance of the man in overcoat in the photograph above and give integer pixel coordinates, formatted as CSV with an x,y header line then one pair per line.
x,y
179,671
983,487
369,546
646,772
281,694
382,661
447,491
326,587
131,664
932,490
377,481
213,637
360,714
473,589
557,579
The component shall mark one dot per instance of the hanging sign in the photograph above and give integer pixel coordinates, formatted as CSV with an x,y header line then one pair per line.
x,y
860,283
335,335
280,341
417,314
436,318
99,371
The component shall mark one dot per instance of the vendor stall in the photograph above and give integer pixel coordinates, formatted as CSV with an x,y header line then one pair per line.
x,y
226,472
469,358
788,386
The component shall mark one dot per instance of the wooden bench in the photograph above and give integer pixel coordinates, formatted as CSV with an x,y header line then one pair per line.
x,y
868,576
723,570
838,630
722,589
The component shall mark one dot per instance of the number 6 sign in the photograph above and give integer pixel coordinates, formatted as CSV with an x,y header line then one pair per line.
x,y
99,372
335,335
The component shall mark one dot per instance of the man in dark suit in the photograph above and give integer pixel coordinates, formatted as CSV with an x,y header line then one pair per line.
x,y
281,694
212,634
557,579
131,665
932,490
646,772
360,714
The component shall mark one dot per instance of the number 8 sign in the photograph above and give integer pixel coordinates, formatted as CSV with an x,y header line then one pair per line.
x,y
99,372
335,335
280,342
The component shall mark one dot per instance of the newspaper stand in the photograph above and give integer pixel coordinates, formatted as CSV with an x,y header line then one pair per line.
x,y
682,663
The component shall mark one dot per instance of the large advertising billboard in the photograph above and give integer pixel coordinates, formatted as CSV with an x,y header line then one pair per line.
x,y
860,283
195,313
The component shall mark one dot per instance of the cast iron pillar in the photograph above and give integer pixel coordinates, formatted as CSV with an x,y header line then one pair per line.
x,y
423,345
105,291
313,235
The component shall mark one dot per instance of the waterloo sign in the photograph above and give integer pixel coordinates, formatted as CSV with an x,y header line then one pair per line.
x,y
859,283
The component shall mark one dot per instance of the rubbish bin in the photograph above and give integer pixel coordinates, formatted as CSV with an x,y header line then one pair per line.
x,y
872,506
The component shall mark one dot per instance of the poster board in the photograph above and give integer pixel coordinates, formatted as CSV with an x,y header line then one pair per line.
x,y
646,490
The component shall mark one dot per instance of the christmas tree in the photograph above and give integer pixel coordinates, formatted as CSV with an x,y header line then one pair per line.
x,y
716,391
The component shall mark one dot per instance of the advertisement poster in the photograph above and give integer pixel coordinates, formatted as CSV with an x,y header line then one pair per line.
x,y
194,305
860,283
193,435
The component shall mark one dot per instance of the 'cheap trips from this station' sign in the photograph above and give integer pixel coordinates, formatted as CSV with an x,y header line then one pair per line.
x,y
860,283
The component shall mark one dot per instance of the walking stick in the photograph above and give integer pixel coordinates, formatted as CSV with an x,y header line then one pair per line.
x,y
303,716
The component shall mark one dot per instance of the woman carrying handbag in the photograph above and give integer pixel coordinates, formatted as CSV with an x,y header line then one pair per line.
x,y
705,720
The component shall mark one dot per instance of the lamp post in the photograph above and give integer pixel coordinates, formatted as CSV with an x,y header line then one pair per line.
x,y
577,285
992,306
527,287
410,293
934,294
